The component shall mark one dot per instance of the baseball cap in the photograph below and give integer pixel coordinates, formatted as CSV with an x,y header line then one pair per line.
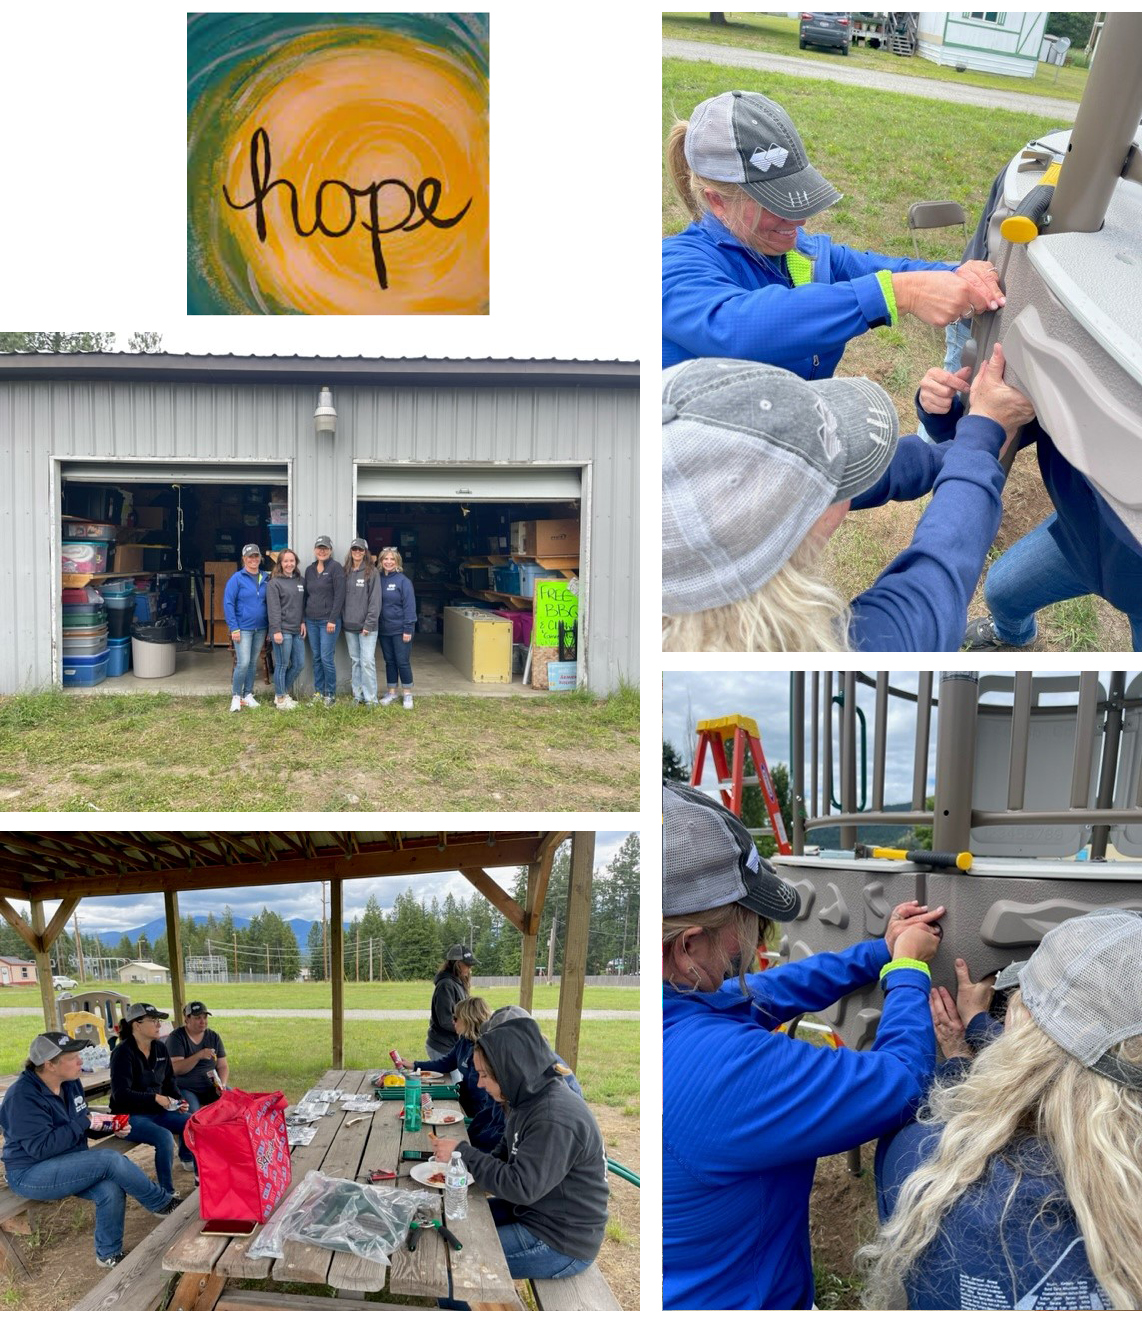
x,y
140,1010
358,544
710,859
460,952
744,138
752,456
251,549
1083,987
196,1008
46,1047
323,541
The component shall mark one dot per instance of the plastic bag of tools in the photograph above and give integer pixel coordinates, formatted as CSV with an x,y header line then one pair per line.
x,y
336,1214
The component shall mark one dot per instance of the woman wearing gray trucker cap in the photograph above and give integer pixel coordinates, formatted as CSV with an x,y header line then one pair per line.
x,y
758,470
1021,1187
746,281
748,1111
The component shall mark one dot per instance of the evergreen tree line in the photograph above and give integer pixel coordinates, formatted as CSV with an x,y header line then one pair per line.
x,y
408,942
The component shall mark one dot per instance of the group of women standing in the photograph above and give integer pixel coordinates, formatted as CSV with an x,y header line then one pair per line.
x,y
367,600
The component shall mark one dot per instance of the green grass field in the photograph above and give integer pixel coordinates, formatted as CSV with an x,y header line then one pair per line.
x,y
776,34
63,752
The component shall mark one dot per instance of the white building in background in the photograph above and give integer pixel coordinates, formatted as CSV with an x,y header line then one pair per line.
x,y
144,971
988,41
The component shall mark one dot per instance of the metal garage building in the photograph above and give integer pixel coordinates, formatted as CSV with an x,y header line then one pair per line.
x,y
524,434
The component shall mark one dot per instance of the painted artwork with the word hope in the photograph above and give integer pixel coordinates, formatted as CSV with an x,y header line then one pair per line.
x,y
337,163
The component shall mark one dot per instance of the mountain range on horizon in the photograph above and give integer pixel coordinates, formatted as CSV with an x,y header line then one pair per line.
x,y
157,928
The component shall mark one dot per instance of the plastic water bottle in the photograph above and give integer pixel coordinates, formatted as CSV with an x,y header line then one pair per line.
x,y
456,1189
412,1101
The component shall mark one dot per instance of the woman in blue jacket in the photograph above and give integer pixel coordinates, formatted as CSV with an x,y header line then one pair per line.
x,y
46,1124
1021,1185
398,621
244,603
746,281
748,1111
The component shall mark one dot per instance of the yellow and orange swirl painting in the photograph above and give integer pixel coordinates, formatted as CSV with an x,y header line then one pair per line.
x,y
337,164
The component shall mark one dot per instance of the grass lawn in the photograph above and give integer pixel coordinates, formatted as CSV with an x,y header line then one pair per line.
x,y
775,34
410,996
291,1055
62,752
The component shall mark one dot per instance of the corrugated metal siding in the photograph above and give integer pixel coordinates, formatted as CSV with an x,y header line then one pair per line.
x,y
575,425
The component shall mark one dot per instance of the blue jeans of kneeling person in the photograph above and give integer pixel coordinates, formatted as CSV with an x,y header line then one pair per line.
x,y
363,654
527,1255
247,650
104,1178
159,1131
323,645
289,658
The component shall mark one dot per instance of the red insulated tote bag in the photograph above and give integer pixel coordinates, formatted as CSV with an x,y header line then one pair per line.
x,y
240,1145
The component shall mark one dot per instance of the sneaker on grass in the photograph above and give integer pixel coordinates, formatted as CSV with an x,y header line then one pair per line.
x,y
980,636
235,704
407,700
249,700
110,1261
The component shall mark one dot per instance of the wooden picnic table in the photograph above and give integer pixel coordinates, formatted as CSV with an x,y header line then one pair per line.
x,y
478,1274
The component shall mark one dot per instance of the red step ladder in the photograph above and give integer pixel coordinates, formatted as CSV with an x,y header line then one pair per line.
x,y
712,736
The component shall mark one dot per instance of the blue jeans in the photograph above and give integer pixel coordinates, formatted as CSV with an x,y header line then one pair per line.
x,y
289,658
363,654
1028,576
397,653
196,1103
247,650
104,1178
527,1255
323,645
158,1131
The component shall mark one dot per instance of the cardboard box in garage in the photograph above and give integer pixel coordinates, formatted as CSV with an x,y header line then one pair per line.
x,y
546,537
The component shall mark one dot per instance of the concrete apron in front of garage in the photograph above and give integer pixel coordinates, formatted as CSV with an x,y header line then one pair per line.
x,y
206,671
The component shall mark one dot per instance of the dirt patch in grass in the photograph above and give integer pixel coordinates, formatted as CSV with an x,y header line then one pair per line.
x,y
842,1217
62,1251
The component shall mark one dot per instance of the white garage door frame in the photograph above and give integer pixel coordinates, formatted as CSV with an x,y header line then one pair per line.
x,y
111,471
487,483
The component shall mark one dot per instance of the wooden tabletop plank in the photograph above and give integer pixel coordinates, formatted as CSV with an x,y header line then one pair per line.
x,y
480,1272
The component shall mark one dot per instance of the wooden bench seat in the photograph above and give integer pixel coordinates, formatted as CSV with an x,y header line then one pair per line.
x,y
586,1290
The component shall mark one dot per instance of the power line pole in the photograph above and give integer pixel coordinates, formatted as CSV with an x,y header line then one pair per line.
x,y
551,952
380,959
357,967
78,950
267,960
235,936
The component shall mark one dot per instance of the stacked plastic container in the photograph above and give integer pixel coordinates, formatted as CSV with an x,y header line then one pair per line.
x,y
85,651
278,528
119,596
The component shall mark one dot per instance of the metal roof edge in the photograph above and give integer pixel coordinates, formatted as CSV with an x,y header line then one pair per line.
x,y
323,371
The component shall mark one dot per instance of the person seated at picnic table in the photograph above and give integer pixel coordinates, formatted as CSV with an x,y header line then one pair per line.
x,y
196,1050
746,281
1020,1186
486,1127
548,1177
46,1124
759,469
143,1086
561,1068
747,1111
453,983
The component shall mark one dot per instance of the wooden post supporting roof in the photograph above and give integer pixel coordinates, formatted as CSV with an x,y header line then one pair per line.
x,y
337,972
530,936
174,955
577,929
44,968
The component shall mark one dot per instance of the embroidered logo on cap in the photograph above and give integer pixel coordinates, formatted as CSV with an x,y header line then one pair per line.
x,y
773,155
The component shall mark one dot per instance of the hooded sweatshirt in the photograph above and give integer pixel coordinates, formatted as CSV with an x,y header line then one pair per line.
x,y
285,603
550,1166
447,992
38,1124
362,607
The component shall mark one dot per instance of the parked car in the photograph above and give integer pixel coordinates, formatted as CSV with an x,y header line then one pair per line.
x,y
826,30
62,984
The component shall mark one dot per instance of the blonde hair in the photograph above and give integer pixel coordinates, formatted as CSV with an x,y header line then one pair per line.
x,y
395,554
1025,1084
471,1013
718,925
795,611
691,188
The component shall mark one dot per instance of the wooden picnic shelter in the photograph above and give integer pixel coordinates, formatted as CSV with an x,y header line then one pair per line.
x,y
72,866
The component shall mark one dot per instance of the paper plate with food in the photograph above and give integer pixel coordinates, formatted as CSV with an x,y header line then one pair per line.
x,y
430,1174
444,1116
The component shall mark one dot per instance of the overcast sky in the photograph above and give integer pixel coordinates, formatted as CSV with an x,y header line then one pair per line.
x,y
692,696
303,900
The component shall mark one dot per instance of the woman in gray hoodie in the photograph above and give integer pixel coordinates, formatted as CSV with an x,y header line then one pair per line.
x,y
285,607
549,1174
359,618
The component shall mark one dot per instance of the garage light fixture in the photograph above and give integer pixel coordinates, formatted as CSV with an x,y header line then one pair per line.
x,y
325,415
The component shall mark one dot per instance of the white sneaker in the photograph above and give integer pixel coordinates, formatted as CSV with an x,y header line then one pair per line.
x,y
250,701
390,697
235,704
287,701
186,1164
407,700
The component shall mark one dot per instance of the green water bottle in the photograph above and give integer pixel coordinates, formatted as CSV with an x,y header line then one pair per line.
x,y
412,1100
